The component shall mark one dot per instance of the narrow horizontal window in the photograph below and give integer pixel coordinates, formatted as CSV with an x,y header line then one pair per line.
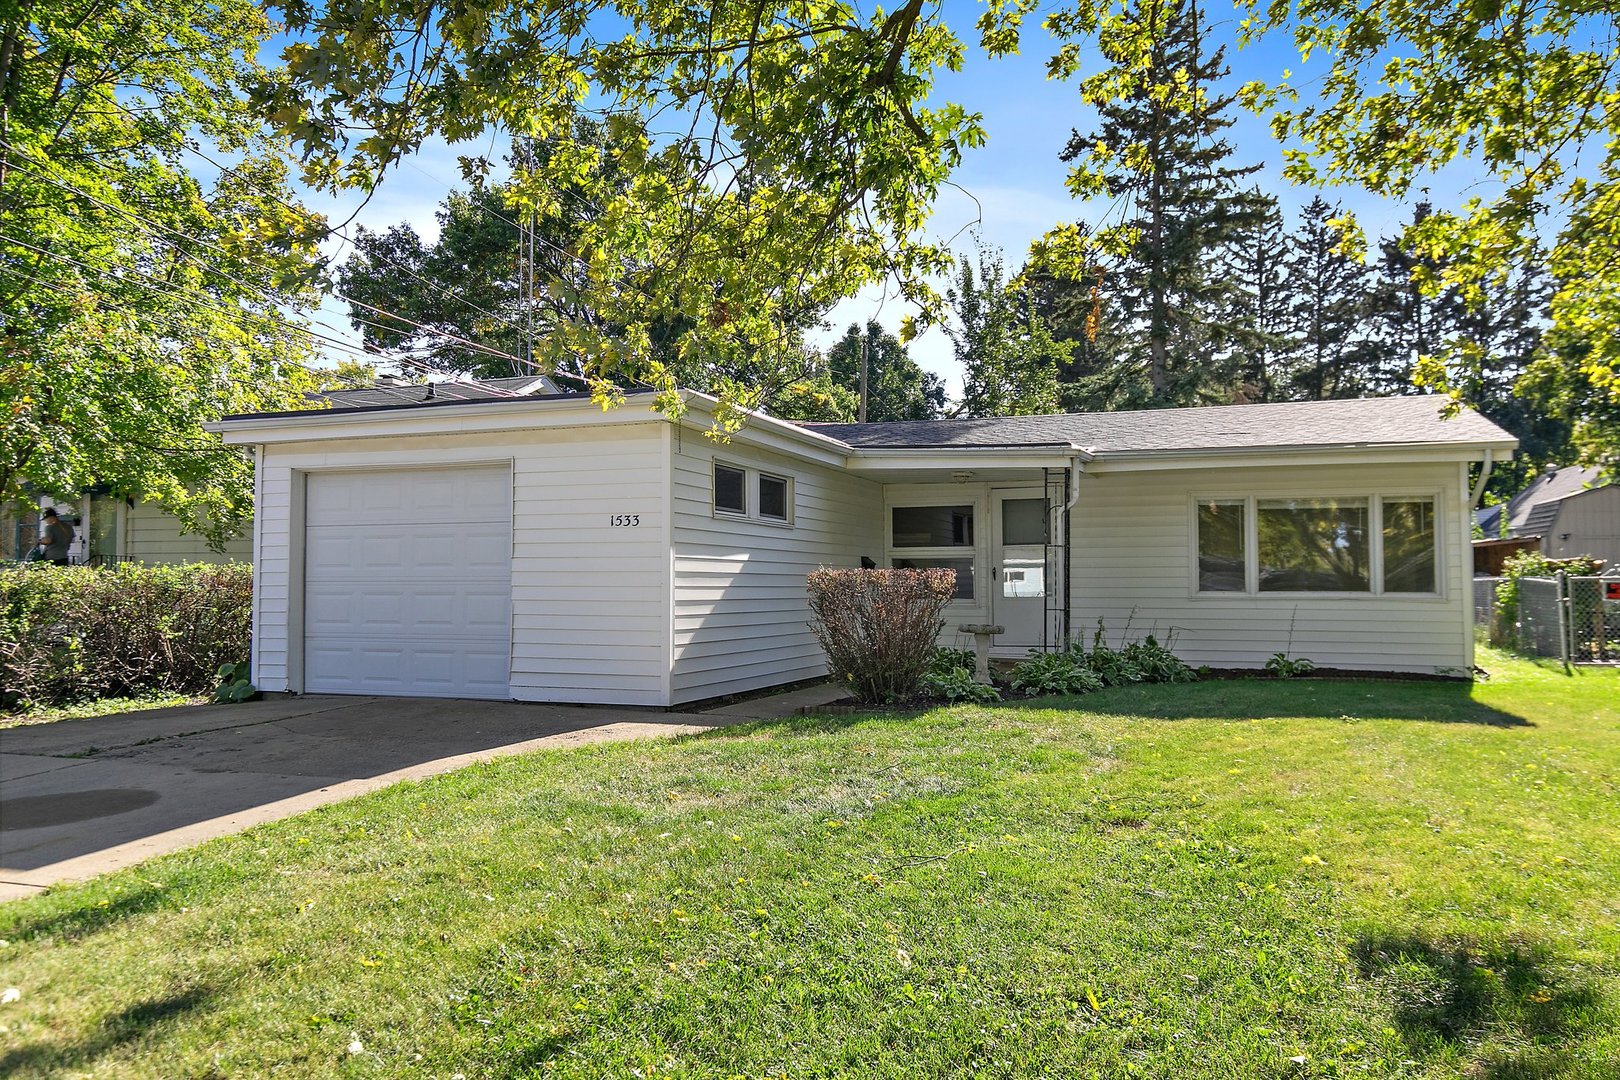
x,y
773,498
962,567
1313,545
1222,556
1409,546
730,489
932,526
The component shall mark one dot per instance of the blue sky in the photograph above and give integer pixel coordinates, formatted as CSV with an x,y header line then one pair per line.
x,y
1012,190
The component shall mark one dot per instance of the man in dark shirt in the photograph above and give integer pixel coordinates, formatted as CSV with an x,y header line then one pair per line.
x,y
55,536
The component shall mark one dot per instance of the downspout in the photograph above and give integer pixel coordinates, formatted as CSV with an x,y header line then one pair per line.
x,y
1479,485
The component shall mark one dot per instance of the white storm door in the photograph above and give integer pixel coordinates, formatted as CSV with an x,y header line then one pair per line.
x,y
408,582
1019,521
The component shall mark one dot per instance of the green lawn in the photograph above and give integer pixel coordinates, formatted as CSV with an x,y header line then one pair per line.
x,y
1229,879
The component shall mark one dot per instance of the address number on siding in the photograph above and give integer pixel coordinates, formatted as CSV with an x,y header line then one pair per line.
x,y
625,521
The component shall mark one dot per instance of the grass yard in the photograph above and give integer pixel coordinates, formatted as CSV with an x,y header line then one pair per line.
x,y
1233,879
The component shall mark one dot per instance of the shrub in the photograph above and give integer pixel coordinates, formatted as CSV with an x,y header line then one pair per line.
x,y
948,660
1156,663
1066,672
878,627
1284,666
957,684
1523,564
77,633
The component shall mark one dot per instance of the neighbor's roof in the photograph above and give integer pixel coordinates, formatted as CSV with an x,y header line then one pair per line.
x,y
1535,507
1412,420
449,390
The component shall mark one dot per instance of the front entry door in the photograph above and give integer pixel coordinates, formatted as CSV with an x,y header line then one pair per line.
x,y
1018,597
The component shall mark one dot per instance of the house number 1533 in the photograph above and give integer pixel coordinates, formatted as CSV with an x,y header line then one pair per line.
x,y
625,521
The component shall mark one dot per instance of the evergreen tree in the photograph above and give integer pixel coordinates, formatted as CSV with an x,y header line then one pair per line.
x,y
1160,152
896,387
1327,307
1009,358
1264,348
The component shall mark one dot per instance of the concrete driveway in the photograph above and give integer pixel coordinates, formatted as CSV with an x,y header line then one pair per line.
x,y
82,797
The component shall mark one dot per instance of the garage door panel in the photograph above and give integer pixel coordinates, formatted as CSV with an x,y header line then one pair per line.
x,y
408,582
382,497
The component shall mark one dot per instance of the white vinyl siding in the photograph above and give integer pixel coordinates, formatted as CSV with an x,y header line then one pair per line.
x,y
152,535
1133,544
740,616
590,600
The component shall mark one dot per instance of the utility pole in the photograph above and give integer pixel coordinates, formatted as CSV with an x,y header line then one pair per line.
x,y
866,339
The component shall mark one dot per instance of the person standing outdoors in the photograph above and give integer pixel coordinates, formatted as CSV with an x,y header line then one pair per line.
x,y
55,537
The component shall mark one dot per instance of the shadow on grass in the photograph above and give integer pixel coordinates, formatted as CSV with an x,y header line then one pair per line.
x,y
85,915
1213,699
1457,996
140,1020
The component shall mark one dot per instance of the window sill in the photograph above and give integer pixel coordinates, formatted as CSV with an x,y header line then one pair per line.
x,y
1298,596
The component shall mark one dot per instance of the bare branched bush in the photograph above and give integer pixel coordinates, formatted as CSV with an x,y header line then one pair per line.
x,y
878,627
76,633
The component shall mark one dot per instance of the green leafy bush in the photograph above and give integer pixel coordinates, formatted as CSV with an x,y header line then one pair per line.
x,y
878,627
956,684
1284,666
1156,663
1523,564
946,660
235,684
1065,672
78,633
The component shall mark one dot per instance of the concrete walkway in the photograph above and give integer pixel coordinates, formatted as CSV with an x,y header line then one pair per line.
x,y
82,797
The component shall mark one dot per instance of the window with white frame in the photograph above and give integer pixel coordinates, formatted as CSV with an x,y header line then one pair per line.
x,y
730,489
743,492
775,503
928,537
1343,544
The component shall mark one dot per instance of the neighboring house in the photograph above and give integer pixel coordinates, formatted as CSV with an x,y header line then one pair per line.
x,y
545,550
112,529
1572,510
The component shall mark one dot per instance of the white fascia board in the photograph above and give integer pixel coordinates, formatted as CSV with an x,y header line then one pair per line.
x,y
952,459
1155,460
770,433
517,414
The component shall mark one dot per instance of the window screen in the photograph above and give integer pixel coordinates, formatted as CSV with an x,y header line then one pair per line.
x,y
773,497
1023,521
1221,563
1313,545
1409,546
729,489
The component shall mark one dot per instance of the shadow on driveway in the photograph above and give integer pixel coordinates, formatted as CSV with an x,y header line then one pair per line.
x,y
81,797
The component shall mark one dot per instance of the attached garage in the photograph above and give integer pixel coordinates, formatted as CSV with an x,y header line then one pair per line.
x,y
408,582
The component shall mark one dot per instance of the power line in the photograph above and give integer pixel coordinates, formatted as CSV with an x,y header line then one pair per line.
x,y
265,292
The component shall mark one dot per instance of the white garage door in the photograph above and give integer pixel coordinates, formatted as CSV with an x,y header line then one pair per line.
x,y
408,582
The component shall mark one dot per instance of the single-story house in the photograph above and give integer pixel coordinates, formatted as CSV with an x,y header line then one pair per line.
x,y
544,549
1572,511
111,528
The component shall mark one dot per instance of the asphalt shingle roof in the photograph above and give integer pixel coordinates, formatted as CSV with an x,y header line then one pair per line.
x,y
469,390
1390,421
1535,507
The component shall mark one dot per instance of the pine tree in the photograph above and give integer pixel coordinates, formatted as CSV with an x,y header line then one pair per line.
x,y
1327,307
1159,151
1009,358
1264,348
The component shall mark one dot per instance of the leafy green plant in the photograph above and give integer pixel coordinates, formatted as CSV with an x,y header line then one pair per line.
x,y
1525,564
235,684
1156,662
1285,667
957,685
1065,672
946,660
81,633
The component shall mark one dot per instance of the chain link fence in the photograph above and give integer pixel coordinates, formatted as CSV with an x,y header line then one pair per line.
x,y
1576,619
